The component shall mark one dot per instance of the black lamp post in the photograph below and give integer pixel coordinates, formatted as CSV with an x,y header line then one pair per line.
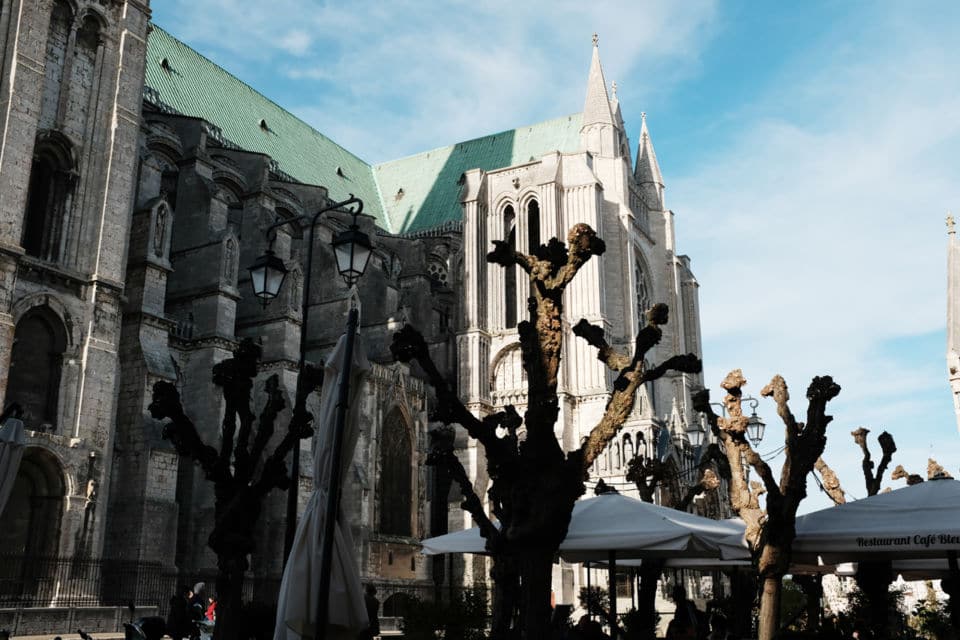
x,y
352,249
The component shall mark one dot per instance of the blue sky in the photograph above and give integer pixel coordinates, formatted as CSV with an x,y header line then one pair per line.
x,y
809,150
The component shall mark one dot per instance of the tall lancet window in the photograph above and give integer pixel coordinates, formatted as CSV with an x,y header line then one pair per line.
x,y
510,273
396,467
533,226
642,290
48,198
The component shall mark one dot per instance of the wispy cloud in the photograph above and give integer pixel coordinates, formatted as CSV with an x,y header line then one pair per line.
x,y
818,238
390,79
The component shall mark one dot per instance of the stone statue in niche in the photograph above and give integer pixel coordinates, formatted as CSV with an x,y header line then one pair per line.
x,y
230,260
395,268
296,290
159,230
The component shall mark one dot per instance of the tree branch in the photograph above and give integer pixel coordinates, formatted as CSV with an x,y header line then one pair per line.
x,y
605,353
831,483
443,457
408,344
181,431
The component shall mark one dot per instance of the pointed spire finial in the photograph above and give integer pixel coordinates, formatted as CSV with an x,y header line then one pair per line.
x,y
596,40
950,224
613,89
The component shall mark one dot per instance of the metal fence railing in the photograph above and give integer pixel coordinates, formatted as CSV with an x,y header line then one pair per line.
x,y
54,581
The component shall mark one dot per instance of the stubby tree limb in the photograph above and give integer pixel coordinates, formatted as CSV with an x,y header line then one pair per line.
x,y
887,446
831,483
630,377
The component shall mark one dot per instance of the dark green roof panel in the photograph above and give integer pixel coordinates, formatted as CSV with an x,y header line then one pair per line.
x,y
423,191
194,86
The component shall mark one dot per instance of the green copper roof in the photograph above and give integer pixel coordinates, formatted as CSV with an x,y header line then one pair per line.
x,y
430,181
194,86
191,85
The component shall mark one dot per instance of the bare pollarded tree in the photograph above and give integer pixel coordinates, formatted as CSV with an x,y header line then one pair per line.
x,y
242,470
534,482
771,529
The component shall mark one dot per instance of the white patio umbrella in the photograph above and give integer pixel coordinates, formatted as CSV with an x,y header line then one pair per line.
x,y
612,527
11,452
629,527
297,601
915,522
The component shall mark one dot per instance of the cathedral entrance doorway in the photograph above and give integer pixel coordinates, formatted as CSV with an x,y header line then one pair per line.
x,y
30,535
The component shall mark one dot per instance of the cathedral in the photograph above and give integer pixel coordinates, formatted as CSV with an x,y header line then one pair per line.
x,y
137,180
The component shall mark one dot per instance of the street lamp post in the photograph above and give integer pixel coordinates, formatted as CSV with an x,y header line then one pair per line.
x,y
352,250
755,425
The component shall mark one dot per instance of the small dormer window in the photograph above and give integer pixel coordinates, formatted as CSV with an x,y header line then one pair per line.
x,y
340,172
399,195
263,125
165,64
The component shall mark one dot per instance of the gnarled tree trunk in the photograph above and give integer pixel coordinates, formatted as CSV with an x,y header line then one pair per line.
x,y
770,531
534,483
241,472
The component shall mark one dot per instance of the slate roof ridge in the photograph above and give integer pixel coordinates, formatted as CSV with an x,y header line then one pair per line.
x,y
253,90
471,140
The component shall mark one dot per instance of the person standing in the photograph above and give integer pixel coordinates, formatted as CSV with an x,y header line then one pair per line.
x,y
178,619
373,613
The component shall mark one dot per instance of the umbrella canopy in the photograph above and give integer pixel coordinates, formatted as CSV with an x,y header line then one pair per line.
x,y
630,527
297,602
919,521
11,452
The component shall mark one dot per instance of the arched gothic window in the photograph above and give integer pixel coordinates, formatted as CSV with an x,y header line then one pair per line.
x,y
83,77
396,468
35,362
533,225
510,273
48,198
642,291
58,37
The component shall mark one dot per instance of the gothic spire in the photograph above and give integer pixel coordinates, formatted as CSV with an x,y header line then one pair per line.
x,y
596,108
615,105
647,169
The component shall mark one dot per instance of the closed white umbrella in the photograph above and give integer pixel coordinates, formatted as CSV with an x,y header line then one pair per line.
x,y
297,602
11,452
914,522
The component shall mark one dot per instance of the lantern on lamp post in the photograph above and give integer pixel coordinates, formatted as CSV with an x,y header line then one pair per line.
x,y
267,274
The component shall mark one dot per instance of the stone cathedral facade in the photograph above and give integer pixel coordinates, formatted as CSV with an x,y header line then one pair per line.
x,y
136,181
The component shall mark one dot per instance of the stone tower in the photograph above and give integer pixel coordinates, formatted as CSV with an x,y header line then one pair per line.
x,y
589,177
953,314
71,78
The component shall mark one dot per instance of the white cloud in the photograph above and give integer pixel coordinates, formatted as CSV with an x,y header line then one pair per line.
x,y
818,238
390,79
296,42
